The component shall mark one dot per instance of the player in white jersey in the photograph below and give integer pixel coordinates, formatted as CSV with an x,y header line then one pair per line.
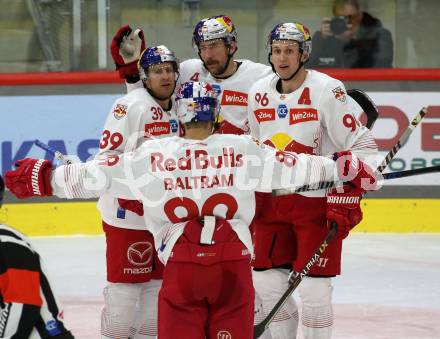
x,y
215,40
198,196
302,111
133,272
29,309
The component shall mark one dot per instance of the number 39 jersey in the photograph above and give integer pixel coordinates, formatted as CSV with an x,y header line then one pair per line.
x,y
314,119
134,118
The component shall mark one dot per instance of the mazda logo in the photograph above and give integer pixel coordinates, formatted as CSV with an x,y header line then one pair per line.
x,y
140,253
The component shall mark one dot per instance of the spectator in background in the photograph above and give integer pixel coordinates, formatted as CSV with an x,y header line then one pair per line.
x,y
351,39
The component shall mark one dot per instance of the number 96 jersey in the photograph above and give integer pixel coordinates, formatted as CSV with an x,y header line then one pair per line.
x,y
133,119
313,119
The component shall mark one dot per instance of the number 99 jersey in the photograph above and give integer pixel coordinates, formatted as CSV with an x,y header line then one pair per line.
x,y
313,119
133,119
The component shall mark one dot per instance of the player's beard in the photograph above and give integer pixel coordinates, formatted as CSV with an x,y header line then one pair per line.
x,y
215,67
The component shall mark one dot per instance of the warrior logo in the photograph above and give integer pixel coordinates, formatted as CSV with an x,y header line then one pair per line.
x,y
140,253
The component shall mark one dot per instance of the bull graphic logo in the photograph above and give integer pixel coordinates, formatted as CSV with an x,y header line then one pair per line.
x,y
140,253
284,142
339,94
224,335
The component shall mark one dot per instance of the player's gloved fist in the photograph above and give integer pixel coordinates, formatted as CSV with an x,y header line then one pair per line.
x,y
31,178
350,168
344,208
134,206
126,49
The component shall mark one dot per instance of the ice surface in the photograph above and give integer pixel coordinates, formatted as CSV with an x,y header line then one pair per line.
x,y
389,288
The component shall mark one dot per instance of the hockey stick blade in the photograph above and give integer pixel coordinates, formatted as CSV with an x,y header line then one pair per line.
x,y
367,105
261,327
57,154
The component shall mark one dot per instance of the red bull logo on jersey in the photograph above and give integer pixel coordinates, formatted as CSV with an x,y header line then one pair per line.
x,y
265,114
157,128
299,115
120,111
339,94
234,98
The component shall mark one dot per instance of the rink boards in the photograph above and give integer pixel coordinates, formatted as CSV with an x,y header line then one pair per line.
x,y
68,218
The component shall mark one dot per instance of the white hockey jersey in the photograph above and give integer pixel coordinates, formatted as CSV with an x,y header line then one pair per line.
x,y
313,119
179,179
233,91
134,118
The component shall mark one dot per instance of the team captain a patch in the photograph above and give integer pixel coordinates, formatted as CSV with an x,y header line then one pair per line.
x,y
120,111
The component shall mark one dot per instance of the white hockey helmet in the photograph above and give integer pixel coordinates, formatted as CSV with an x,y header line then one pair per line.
x,y
215,27
292,31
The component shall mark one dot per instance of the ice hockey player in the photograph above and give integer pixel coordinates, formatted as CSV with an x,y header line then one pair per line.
x,y
302,111
133,271
29,308
198,195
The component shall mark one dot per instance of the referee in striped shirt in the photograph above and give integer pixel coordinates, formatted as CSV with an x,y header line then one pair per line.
x,y
28,307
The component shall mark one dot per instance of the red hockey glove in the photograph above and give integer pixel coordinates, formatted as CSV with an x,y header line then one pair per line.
x,y
350,168
345,209
134,206
31,178
126,48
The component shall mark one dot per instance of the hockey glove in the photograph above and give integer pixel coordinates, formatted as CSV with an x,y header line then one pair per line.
x,y
126,49
31,178
134,206
344,208
350,168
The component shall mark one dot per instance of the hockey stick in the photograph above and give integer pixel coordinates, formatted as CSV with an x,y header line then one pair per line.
x,y
403,138
409,173
367,105
57,154
261,327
